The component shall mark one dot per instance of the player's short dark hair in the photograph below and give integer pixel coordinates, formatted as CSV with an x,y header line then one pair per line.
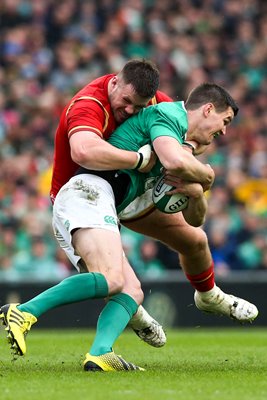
x,y
143,75
211,93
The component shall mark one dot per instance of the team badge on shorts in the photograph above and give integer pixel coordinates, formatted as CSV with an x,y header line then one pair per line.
x,y
110,220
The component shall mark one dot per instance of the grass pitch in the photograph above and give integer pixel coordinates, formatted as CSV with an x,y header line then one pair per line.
x,y
199,364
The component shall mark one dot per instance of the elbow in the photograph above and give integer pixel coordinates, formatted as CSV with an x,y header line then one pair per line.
x,y
194,219
79,156
195,213
176,166
197,222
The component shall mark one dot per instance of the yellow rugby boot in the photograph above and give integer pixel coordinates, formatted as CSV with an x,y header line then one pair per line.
x,y
17,324
108,362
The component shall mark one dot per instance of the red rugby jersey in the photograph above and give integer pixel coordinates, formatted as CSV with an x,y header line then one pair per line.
x,y
88,110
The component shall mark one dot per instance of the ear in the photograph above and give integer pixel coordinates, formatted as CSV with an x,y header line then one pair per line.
x,y
207,109
114,81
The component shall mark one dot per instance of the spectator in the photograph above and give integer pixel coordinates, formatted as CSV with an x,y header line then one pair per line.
x,y
37,263
147,265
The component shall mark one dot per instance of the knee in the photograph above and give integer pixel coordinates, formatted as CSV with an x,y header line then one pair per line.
x,y
135,291
198,242
139,296
118,285
201,239
115,283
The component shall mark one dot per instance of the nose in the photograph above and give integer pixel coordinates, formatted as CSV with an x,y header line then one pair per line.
x,y
129,109
223,130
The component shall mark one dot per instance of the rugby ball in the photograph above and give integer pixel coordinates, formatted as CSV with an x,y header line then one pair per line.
x,y
168,204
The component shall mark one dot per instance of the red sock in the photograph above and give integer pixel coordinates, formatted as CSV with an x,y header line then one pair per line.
x,y
203,281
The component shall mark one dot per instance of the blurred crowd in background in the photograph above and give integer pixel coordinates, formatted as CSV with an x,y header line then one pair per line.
x,y
49,49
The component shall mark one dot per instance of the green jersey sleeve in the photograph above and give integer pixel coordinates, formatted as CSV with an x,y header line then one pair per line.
x,y
169,120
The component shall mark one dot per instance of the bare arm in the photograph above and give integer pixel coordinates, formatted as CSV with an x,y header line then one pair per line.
x,y
196,209
195,212
182,163
92,152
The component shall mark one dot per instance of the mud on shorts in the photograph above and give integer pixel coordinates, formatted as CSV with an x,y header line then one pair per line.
x,y
85,201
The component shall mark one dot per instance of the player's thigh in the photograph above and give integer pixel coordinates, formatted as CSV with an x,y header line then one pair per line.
x,y
171,229
100,249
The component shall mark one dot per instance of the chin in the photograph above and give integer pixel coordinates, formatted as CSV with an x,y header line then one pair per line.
x,y
119,118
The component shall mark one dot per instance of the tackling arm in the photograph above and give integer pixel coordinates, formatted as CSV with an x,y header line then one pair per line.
x,y
90,151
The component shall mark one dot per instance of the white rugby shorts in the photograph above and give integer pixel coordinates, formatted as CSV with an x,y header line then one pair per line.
x,y
85,201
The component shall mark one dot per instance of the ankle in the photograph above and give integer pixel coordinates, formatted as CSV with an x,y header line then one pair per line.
x,y
204,281
140,319
209,293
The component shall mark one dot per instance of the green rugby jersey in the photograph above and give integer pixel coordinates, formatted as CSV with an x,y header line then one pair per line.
x,y
163,119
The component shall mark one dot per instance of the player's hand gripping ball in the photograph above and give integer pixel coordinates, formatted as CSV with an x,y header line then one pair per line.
x,y
168,204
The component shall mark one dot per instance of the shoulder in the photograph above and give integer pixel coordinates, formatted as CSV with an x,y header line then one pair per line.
x,y
96,91
175,108
93,96
160,97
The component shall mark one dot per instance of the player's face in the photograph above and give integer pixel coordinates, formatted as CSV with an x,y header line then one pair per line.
x,y
213,124
124,100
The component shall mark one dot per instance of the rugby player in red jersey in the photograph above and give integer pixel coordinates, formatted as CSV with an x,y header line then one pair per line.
x,y
85,124
94,113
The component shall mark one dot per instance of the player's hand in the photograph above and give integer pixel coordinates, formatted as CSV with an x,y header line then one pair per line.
x,y
151,163
147,159
192,189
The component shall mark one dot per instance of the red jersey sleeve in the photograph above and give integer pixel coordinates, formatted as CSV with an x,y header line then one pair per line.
x,y
159,98
86,114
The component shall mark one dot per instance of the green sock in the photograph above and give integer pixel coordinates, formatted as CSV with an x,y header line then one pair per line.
x,y
72,289
112,321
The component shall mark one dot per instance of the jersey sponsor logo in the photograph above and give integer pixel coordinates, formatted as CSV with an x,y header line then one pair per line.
x,y
110,220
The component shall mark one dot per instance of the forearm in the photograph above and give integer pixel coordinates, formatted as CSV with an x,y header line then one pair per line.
x,y
107,157
196,209
179,161
195,212
174,176
92,152
189,168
